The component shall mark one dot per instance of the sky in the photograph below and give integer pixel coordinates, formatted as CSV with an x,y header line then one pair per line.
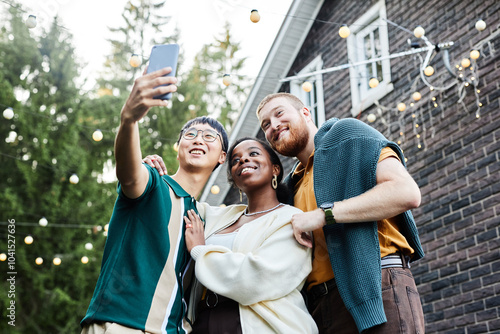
x,y
199,22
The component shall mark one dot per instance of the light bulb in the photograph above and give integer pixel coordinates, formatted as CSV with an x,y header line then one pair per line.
x,y
307,86
28,240
401,106
176,147
74,179
215,189
89,246
97,135
57,261
465,62
43,222
416,96
419,32
31,21
429,70
134,60
371,118
344,31
3,257
39,260
226,80
474,54
373,82
8,113
480,25
254,16
85,260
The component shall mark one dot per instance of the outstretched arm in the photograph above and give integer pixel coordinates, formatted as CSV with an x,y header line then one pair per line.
x,y
395,193
130,171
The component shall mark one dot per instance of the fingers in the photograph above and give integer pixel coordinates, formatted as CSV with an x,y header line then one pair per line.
x,y
304,239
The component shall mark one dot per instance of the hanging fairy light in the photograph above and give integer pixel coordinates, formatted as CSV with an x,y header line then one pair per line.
x,y
307,86
85,260
429,70
8,113
254,16
28,240
344,31
43,222
56,261
31,21
97,135
373,82
74,179
371,118
226,79
89,246
419,32
38,260
480,25
474,54
3,257
416,96
135,60
401,106
215,189
465,62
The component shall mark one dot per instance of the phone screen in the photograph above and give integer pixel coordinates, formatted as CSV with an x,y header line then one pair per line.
x,y
164,56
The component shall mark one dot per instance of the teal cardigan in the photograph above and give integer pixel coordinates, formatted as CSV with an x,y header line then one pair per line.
x,y
345,163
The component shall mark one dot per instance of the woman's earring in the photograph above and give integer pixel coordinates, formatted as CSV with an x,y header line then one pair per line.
x,y
274,183
241,196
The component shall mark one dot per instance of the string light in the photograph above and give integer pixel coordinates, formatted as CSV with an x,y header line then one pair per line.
x,y
3,257
416,96
401,106
344,31
373,82
38,260
56,261
215,189
474,54
465,62
176,147
371,118
85,260
226,79
97,135
28,240
254,16
480,25
135,60
429,70
31,21
419,32
8,113
307,86
74,179
43,222
89,246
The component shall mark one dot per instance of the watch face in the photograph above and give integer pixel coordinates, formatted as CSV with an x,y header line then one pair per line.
x,y
326,206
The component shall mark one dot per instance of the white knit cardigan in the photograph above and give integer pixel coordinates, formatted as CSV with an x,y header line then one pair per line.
x,y
264,272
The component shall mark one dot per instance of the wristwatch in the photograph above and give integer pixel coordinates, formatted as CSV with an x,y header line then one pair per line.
x,y
327,209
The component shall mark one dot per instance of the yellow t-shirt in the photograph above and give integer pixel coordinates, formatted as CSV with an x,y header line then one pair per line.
x,y
390,239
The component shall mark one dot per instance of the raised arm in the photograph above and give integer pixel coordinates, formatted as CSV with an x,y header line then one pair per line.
x,y
130,171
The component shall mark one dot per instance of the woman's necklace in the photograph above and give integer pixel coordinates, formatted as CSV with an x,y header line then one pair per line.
x,y
264,211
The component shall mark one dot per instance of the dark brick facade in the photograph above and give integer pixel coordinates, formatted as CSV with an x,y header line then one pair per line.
x,y
457,168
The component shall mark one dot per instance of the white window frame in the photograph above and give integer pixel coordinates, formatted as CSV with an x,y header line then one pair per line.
x,y
316,93
361,95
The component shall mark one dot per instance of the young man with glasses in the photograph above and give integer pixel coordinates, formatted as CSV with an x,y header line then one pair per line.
x,y
140,288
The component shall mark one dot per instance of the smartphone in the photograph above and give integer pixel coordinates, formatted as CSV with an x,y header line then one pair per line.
x,y
164,56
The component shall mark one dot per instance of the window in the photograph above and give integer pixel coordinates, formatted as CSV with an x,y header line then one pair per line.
x,y
369,40
313,100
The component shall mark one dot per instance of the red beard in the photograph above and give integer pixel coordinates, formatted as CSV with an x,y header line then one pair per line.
x,y
298,136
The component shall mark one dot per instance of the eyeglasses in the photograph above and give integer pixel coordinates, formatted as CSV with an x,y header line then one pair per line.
x,y
207,135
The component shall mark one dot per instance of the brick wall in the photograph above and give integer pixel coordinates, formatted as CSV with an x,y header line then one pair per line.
x,y
457,167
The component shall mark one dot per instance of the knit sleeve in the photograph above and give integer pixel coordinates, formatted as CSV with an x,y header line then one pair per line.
x,y
269,271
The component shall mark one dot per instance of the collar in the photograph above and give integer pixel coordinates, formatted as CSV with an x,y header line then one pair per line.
x,y
178,190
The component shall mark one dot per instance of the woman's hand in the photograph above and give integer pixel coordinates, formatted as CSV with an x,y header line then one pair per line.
x,y
194,230
157,162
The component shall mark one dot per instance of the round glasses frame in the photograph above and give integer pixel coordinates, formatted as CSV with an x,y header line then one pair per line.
x,y
208,135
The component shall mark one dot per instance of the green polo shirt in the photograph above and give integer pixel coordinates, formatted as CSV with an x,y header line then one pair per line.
x,y
140,284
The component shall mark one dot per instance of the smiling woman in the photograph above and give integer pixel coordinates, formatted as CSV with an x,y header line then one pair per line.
x,y
250,261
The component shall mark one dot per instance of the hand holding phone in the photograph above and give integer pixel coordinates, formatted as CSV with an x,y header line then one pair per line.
x,y
164,56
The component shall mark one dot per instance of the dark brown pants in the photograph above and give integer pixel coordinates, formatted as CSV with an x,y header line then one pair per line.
x,y
401,305
220,316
